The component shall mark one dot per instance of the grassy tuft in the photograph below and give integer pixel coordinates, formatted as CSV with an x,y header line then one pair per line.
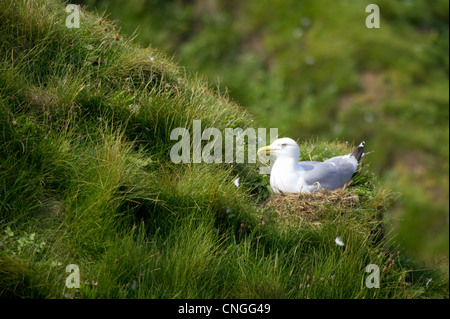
x,y
86,179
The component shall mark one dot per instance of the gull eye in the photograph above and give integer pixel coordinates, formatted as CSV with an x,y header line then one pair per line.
x,y
284,144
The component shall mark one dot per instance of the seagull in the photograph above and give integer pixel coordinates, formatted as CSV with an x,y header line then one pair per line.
x,y
288,175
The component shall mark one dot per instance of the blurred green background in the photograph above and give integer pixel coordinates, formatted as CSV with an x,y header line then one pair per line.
x,y
315,71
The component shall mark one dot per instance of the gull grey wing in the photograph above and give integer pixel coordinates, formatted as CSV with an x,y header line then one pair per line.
x,y
330,174
344,163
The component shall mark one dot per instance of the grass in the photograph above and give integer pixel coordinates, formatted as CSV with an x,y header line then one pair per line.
x,y
315,70
86,179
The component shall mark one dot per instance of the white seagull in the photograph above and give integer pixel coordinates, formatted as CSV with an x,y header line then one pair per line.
x,y
288,175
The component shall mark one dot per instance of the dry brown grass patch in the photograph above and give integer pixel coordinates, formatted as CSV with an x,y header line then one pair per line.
x,y
312,206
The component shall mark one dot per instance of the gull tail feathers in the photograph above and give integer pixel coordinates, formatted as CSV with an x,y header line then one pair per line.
x,y
359,151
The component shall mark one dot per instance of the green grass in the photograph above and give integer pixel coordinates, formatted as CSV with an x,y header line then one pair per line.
x,y
86,179
314,70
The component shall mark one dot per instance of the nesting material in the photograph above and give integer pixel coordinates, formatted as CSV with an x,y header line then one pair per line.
x,y
312,206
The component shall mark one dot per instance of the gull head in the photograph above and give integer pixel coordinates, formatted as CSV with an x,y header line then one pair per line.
x,y
282,148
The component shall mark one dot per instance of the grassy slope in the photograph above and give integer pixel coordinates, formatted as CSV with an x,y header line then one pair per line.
x,y
86,179
317,60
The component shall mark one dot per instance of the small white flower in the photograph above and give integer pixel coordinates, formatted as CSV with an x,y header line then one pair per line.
x,y
310,60
236,182
152,58
297,33
368,117
305,21
134,108
55,263
338,241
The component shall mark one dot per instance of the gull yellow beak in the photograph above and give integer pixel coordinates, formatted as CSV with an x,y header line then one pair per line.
x,y
264,150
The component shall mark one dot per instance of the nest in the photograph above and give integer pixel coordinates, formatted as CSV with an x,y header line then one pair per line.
x,y
312,206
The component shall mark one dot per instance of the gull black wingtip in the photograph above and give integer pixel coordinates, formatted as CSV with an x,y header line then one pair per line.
x,y
359,151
